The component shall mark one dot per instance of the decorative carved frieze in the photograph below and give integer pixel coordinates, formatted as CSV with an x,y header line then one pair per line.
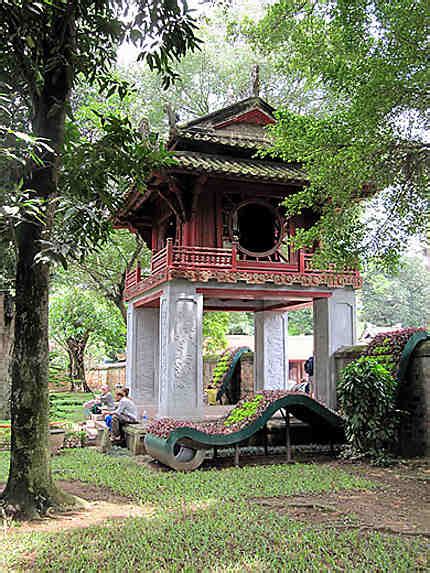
x,y
327,279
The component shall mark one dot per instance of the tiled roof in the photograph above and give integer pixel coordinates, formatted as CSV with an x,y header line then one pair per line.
x,y
246,168
238,141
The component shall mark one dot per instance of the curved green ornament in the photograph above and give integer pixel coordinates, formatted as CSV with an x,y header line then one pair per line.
x,y
408,350
184,441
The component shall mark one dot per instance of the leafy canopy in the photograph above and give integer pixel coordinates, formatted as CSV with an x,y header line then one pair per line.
x,y
403,297
370,58
85,317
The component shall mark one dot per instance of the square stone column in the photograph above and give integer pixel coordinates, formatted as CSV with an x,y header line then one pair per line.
x,y
181,356
271,350
143,354
335,326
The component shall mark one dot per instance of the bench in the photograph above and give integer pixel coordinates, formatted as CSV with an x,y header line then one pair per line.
x,y
134,437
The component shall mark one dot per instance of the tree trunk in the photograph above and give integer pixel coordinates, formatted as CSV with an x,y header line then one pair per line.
x,y
122,307
70,369
30,490
76,350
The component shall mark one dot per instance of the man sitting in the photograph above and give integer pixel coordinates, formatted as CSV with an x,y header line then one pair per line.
x,y
106,399
125,413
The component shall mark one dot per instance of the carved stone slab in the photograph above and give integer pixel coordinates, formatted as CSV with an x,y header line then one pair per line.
x,y
271,350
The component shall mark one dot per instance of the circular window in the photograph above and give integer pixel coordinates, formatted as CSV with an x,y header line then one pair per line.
x,y
258,228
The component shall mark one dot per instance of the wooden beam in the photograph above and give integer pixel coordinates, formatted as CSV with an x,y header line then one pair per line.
x,y
147,300
248,294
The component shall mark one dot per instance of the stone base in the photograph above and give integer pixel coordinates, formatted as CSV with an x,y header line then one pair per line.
x,y
135,436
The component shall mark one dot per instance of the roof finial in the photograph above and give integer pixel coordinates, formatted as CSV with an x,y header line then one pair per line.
x,y
255,80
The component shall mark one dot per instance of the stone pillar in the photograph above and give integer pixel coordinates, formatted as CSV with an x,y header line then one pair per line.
x,y
6,334
334,327
271,356
181,362
143,354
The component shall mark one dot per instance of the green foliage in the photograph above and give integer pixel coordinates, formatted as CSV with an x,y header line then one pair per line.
x,y
241,323
403,297
222,366
67,406
103,271
366,394
300,322
215,325
246,411
371,60
80,315
5,436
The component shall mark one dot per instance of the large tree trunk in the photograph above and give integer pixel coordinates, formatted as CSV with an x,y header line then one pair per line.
x,y
30,490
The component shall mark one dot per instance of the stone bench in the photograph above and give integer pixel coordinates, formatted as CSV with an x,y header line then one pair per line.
x,y
135,436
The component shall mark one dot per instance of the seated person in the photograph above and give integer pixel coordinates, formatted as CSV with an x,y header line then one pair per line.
x,y
124,413
104,401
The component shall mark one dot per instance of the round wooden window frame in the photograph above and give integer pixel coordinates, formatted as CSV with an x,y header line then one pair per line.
x,y
278,220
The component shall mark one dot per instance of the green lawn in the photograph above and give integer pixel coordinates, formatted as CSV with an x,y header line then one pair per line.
x,y
205,521
68,406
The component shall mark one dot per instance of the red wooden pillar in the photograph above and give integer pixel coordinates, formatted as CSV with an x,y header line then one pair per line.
x,y
301,261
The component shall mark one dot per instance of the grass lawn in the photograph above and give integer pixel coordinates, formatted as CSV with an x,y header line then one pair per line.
x,y
68,406
206,521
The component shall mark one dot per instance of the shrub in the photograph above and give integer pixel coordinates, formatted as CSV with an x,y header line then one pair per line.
x,y
367,395
387,347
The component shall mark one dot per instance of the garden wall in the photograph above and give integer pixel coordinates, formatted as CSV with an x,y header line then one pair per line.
x,y
6,332
114,374
415,400
110,374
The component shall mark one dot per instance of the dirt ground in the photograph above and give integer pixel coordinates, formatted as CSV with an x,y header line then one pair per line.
x,y
399,504
98,504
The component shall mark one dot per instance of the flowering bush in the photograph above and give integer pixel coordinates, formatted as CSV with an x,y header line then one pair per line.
x,y
247,411
387,347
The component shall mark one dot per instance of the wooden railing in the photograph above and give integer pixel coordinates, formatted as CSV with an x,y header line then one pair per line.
x,y
177,257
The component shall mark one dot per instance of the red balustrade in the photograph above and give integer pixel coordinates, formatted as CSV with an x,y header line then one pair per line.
x,y
201,259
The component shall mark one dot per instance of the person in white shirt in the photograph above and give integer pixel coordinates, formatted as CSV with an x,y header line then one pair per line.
x,y
124,413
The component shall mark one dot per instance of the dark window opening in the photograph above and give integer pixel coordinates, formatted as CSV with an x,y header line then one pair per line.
x,y
257,228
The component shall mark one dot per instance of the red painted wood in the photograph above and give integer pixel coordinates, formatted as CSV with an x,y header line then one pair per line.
x,y
287,307
255,116
148,300
206,263
248,294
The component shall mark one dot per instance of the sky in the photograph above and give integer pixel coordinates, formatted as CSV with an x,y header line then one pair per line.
x,y
127,53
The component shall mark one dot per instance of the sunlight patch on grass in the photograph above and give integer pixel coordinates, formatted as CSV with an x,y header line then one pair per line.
x,y
230,537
